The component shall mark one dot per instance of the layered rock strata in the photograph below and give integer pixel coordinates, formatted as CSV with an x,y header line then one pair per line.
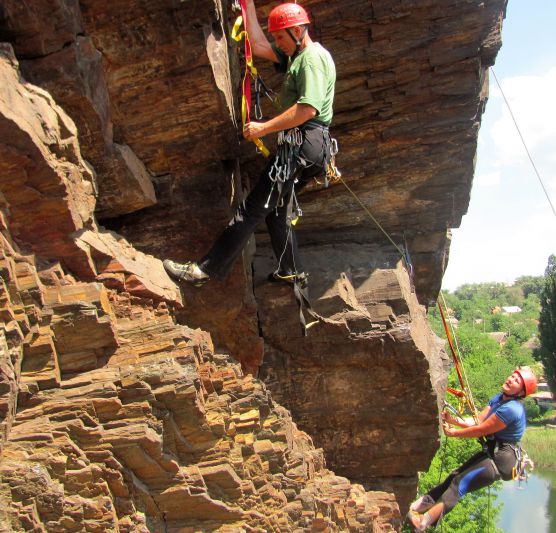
x,y
117,419
366,380
112,416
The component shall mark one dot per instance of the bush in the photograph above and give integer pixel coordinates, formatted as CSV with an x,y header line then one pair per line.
x,y
532,410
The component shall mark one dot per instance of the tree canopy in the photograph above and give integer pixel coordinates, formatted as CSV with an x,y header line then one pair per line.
x,y
547,324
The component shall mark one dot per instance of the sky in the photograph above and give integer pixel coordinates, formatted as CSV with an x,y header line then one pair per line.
x,y
510,228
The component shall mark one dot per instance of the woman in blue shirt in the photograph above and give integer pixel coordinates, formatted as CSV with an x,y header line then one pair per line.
x,y
503,424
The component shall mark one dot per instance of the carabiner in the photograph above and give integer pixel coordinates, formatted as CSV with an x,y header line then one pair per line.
x,y
333,147
258,110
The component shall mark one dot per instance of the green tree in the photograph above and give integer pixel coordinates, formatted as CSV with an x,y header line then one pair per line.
x,y
530,285
547,323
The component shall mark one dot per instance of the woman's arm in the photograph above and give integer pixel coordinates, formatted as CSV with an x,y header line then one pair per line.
x,y
465,422
485,427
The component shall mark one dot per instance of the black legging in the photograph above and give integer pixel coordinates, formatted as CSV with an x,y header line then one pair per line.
x,y
478,472
219,261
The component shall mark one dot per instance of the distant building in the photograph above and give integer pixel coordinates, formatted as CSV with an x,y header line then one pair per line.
x,y
543,397
511,309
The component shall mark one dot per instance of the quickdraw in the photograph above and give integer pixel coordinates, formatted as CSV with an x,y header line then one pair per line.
x,y
523,465
284,166
332,172
462,401
250,73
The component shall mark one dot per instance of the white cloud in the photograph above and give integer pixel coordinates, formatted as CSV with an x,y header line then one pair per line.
x,y
531,99
501,248
487,179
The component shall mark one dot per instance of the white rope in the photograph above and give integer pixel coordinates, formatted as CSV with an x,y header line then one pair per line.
x,y
523,142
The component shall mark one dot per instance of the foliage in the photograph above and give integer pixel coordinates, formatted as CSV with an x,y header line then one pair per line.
x,y
540,445
547,324
479,306
486,363
548,415
530,285
532,410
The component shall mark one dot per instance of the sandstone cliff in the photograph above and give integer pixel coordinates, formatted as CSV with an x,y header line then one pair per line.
x,y
119,415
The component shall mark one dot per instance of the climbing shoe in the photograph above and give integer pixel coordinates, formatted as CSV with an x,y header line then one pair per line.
x,y
188,271
424,503
287,277
418,521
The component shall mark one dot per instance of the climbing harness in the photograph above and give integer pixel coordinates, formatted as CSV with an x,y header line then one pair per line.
x,y
283,173
250,73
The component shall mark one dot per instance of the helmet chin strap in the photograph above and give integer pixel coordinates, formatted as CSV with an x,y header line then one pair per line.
x,y
295,40
518,396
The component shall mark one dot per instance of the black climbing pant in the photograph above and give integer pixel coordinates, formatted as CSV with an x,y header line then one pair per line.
x,y
264,202
479,471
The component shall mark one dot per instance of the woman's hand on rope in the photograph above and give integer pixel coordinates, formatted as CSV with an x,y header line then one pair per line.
x,y
447,417
457,421
488,427
449,431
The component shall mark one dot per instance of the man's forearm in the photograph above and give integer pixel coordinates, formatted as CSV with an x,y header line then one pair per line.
x,y
294,116
469,431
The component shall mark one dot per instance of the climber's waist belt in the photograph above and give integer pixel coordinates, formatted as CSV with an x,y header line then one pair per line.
x,y
312,124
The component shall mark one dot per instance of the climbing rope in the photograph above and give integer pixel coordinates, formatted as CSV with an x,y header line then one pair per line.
x,y
465,392
523,142
250,73
403,253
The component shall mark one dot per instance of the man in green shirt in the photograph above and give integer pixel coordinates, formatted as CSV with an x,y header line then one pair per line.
x,y
303,153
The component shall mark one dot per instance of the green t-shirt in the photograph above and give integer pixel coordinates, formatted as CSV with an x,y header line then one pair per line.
x,y
310,79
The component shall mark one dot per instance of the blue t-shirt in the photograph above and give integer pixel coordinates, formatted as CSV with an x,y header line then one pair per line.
x,y
512,413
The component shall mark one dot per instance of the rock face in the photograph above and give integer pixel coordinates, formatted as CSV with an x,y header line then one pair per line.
x,y
112,416
126,421
115,409
364,381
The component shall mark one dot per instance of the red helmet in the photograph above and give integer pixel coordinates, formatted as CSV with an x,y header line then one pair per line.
x,y
528,378
285,16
